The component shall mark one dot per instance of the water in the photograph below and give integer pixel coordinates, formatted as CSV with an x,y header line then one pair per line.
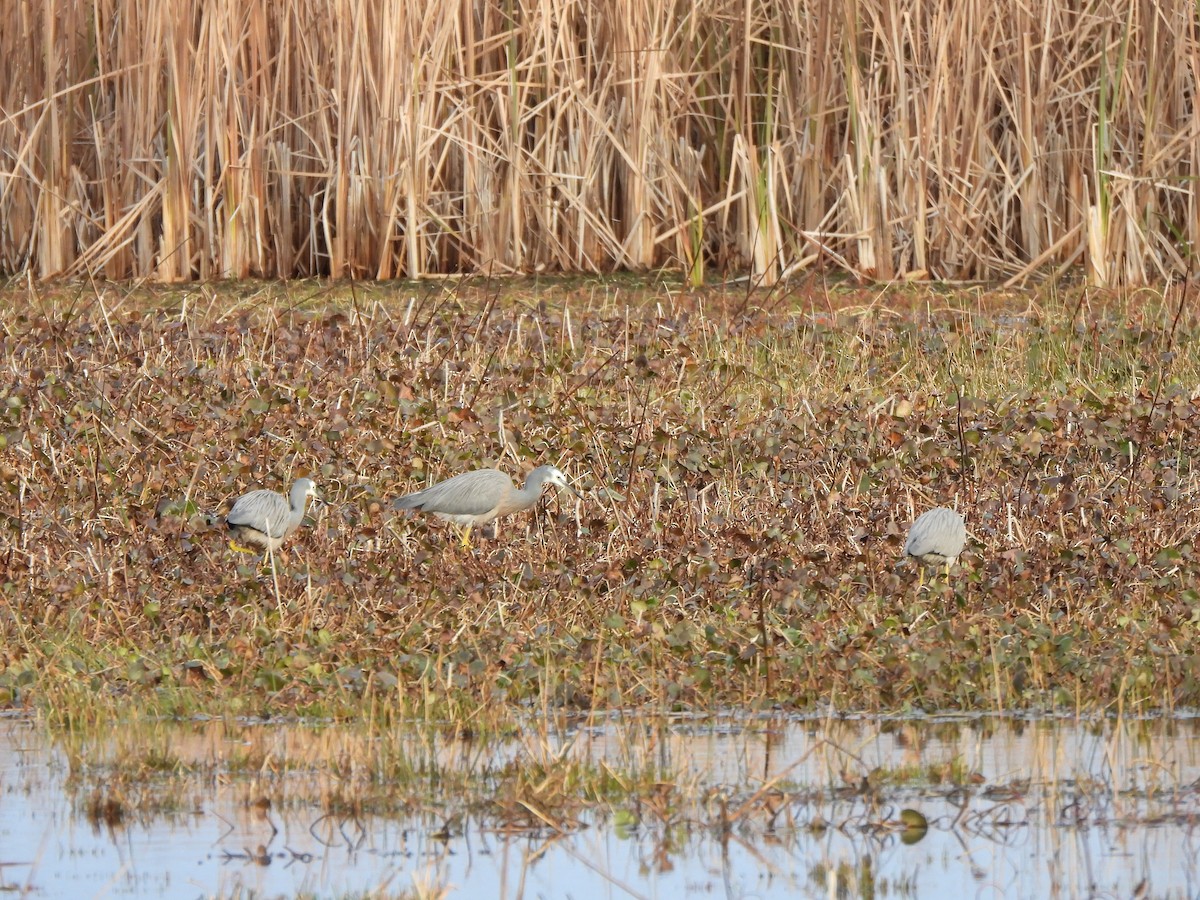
x,y
725,807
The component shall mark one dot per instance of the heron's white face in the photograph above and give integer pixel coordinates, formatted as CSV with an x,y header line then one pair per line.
x,y
558,479
310,491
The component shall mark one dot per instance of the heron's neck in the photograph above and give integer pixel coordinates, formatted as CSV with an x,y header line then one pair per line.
x,y
530,493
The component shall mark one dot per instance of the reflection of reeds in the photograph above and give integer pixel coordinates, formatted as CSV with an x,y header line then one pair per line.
x,y
1034,795
888,138
657,773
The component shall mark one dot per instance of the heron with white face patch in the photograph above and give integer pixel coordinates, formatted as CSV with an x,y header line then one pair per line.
x,y
478,497
936,539
262,520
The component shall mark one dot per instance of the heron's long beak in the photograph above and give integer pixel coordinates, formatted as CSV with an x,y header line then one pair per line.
x,y
573,491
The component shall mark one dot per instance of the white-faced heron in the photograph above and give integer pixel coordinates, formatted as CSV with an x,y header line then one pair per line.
x,y
264,519
478,497
936,539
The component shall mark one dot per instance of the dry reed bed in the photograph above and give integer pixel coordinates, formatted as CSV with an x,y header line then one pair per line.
x,y
750,463
884,137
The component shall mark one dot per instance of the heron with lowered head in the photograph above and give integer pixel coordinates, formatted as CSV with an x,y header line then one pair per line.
x,y
481,496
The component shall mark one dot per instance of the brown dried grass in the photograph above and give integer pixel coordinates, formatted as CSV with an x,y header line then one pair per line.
x,y
888,138
749,462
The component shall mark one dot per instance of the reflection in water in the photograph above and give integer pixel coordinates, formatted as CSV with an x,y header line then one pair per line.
x,y
730,807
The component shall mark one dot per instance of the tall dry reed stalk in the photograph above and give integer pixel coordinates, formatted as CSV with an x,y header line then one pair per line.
x,y
234,138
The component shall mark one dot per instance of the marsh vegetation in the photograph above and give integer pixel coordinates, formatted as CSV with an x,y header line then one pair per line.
x,y
749,464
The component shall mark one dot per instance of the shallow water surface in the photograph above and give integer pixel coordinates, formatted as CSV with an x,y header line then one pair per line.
x,y
621,807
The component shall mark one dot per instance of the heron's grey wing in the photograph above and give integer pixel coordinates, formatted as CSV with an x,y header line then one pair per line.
x,y
469,494
956,542
939,531
918,543
263,511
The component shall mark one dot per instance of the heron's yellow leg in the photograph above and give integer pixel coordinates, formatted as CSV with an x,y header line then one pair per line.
x,y
238,548
465,536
